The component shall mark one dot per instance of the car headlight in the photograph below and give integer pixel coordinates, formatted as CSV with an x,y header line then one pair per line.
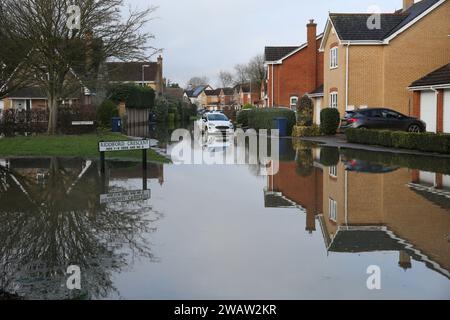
x,y
211,126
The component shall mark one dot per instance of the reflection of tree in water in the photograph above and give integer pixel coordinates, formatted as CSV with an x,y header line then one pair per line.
x,y
304,160
46,227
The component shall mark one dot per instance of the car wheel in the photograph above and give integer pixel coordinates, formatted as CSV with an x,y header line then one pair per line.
x,y
414,128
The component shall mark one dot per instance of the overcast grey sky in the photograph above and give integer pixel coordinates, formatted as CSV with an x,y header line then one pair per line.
x,y
202,37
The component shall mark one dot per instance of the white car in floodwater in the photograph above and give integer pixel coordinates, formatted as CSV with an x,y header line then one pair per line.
x,y
215,123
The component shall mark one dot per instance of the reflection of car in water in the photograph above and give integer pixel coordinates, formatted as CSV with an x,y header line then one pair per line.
x,y
368,167
215,143
215,123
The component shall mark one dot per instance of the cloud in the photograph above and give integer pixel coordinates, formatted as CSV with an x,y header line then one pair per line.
x,y
201,37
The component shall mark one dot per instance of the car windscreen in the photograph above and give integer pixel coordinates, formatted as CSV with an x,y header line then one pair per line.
x,y
217,117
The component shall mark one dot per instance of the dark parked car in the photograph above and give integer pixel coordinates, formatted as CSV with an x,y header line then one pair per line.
x,y
381,119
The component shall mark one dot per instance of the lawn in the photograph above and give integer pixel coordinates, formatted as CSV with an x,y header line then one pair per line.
x,y
85,146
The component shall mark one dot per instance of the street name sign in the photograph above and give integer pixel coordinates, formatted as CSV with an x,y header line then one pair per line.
x,y
124,145
127,196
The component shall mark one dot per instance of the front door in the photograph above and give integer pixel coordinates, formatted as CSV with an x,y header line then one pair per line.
x,y
318,110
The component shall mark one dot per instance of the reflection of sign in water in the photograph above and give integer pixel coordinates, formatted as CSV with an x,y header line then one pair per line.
x,y
124,145
127,196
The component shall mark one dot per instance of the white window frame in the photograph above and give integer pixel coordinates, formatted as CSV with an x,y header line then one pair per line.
x,y
334,58
292,105
334,99
333,210
333,171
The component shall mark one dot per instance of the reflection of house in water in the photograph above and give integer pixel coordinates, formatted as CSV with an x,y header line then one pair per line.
x,y
287,189
134,171
403,210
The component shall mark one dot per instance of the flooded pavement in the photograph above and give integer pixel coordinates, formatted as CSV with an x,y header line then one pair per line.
x,y
311,231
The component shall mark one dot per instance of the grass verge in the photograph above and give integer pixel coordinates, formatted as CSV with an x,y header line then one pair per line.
x,y
85,146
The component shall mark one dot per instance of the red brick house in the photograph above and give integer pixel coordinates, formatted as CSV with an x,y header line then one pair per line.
x,y
293,72
226,98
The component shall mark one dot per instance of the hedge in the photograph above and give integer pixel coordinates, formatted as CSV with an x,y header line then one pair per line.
x,y
329,121
418,162
265,118
242,117
427,142
329,156
133,95
105,112
304,131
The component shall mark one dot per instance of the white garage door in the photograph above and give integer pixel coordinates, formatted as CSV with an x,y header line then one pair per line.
x,y
428,110
446,181
447,111
428,178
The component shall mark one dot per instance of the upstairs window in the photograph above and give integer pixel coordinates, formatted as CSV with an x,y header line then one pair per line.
x,y
334,58
294,101
334,100
333,171
332,209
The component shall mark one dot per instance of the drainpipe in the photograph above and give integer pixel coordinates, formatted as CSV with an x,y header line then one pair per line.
x,y
272,84
346,75
436,91
346,198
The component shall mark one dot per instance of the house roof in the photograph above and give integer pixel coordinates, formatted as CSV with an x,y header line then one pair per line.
x,y
215,92
28,92
437,77
197,91
176,93
353,26
273,54
277,200
228,91
277,53
317,92
131,71
358,241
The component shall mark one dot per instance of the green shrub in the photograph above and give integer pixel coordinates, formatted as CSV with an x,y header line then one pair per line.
x,y
134,96
265,118
329,121
305,162
161,110
248,106
305,111
427,142
107,110
302,131
329,156
242,117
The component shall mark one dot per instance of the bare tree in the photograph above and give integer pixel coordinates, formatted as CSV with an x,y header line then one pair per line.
x,y
241,73
256,70
198,81
226,78
69,39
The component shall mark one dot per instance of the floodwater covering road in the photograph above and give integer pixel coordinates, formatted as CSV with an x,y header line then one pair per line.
x,y
311,231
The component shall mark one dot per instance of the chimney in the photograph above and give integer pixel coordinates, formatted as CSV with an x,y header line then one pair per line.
x,y
312,49
407,4
160,79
